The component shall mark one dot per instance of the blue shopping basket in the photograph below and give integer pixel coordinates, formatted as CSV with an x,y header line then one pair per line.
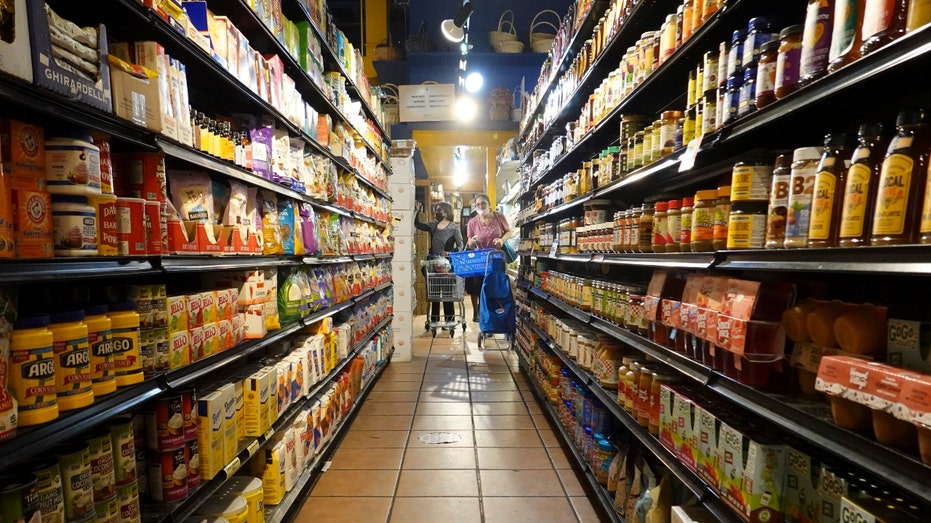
x,y
474,263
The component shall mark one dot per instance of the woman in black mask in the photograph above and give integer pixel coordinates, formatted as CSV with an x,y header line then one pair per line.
x,y
445,237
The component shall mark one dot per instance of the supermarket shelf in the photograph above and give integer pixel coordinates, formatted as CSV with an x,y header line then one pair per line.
x,y
383,255
363,257
331,260
378,190
190,373
176,264
25,101
290,506
905,259
556,210
384,286
607,503
34,441
680,260
327,312
24,271
809,420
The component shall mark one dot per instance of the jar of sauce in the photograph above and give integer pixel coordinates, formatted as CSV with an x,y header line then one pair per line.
x,y
860,190
746,99
702,226
919,15
828,194
731,100
645,229
644,387
778,203
846,34
816,41
801,186
883,22
901,180
660,227
673,225
787,61
766,74
685,225
722,211
735,55
751,180
759,31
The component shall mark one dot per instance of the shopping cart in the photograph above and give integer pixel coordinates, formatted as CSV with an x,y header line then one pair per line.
x,y
444,287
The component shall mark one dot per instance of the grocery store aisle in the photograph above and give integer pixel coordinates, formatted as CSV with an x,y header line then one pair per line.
x,y
454,435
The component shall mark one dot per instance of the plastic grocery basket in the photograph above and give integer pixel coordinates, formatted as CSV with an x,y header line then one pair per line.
x,y
471,263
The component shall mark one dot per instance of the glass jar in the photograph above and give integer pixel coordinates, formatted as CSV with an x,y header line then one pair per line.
x,y
673,225
735,54
642,401
648,145
639,138
722,211
746,100
731,100
702,226
766,74
746,227
656,386
816,41
787,61
685,225
660,227
634,227
645,226
656,153
709,112
667,134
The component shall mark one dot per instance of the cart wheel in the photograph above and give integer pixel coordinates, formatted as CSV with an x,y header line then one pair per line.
x,y
463,327
480,340
433,332
426,325
452,332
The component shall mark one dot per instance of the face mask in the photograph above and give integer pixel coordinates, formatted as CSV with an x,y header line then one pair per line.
x,y
440,216
483,211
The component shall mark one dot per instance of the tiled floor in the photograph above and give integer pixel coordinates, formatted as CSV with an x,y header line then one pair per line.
x,y
505,465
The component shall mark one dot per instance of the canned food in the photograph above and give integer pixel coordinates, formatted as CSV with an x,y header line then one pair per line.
x,y
193,464
130,219
102,478
107,511
124,451
75,463
168,475
165,423
49,488
127,497
19,499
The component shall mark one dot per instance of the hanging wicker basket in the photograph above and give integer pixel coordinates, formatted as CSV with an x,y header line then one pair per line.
x,y
391,106
541,42
513,47
505,31
386,52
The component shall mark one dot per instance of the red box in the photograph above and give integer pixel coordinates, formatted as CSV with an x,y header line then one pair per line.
x,y
178,237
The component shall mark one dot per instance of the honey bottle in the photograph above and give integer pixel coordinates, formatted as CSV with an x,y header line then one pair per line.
x,y
846,34
860,189
828,195
883,22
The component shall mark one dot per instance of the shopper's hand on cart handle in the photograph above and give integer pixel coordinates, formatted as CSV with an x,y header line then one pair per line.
x,y
497,243
473,241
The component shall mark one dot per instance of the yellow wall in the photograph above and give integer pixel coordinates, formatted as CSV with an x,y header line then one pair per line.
x,y
376,30
491,140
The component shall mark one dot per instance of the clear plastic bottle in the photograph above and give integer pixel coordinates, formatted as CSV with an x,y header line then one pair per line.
x,y
798,215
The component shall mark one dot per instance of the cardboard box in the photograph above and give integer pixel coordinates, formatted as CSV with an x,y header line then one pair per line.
x,y
22,149
48,73
135,94
831,490
803,488
179,345
210,416
908,344
752,475
230,440
705,442
257,393
15,47
151,55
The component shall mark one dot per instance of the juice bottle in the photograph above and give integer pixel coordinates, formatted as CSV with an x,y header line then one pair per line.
x,y
829,192
901,179
860,191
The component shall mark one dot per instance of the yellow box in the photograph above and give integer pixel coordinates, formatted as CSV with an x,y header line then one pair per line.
x,y
240,409
178,320
210,434
197,343
211,339
273,478
230,441
300,375
225,304
208,302
179,343
256,391
272,406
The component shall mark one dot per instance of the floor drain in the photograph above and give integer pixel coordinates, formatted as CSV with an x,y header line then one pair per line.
x,y
440,438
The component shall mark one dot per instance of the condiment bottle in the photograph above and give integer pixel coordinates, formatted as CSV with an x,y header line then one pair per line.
x,y
759,31
722,211
787,61
688,7
846,35
660,227
645,227
72,360
862,182
735,55
816,41
685,225
900,181
703,221
746,100
778,203
801,187
828,194
883,22
731,100
919,15
766,74
667,134
673,225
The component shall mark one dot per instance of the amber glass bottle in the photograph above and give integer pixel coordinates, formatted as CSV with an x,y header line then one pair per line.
x,y
883,22
860,189
829,192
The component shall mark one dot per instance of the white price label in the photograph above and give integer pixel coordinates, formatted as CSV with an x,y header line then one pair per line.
x,y
554,247
691,152
232,467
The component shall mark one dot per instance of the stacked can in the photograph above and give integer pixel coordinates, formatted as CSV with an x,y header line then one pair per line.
x,y
170,437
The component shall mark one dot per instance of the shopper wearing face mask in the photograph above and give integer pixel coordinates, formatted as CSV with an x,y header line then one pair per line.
x,y
445,237
488,229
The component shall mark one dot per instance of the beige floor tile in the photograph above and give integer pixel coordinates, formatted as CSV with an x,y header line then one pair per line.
x,y
443,409
447,396
465,439
406,367
366,459
377,422
445,364
442,423
503,422
363,483
387,409
380,397
528,396
439,459
571,482
559,458
396,386
453,483
338,510
528,510
375,439
400,378
513,458
455,386
433,510
550,439
495,397
507,483
585,510
484,368
507,438
508,408
494,387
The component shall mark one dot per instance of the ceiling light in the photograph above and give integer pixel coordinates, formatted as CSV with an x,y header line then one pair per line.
x,y
466,109
452,28
474,82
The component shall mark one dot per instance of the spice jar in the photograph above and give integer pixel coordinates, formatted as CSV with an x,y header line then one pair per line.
x,y
673,225
798,214
660,227
787,61
751,180
648,145
722,211
862,181
766,74
778,203
902,178
645,234
703,221
828,193
685,225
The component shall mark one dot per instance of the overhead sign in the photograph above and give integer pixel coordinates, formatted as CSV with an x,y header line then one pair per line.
x,y
427,103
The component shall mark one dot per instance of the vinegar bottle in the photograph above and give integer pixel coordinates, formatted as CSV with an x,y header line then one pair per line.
x,y
856,217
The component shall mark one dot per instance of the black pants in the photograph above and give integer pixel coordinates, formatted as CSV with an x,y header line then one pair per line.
x,y
449,308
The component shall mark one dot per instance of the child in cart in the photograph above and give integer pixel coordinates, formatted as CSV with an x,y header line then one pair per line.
x,y
445,237
488,229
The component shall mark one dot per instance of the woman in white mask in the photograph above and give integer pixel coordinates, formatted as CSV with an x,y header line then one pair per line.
x,y
488,229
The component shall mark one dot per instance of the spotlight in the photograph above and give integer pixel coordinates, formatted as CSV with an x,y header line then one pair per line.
x,y
466,109
452,28
474,82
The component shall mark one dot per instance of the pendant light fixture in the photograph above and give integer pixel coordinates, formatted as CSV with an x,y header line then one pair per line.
x,y
452,27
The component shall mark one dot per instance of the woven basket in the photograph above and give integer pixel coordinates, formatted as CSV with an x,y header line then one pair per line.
x,y
510,47
541,45
386,52
545,38
505,32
